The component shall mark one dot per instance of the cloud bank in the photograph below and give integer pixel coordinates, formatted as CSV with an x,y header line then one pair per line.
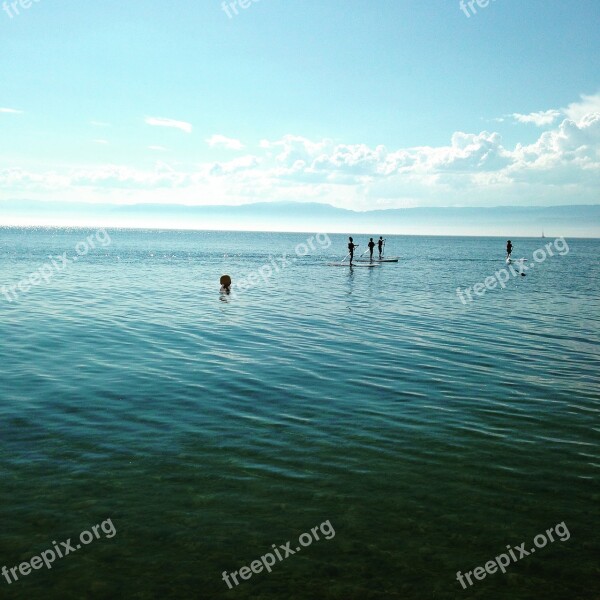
x,y
561,166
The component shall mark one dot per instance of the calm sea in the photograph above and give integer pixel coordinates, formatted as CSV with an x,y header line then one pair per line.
x,y
429,432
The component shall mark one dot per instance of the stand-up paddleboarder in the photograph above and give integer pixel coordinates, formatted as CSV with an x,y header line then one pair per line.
x,y
351,246
371,246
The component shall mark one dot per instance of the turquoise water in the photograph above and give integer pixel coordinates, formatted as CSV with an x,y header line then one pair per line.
x,y
430,433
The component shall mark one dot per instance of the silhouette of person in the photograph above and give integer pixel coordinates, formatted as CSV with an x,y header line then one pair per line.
x,y
351,246
371,246
225,284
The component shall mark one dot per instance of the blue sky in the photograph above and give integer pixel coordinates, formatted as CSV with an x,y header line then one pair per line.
x,y
354,103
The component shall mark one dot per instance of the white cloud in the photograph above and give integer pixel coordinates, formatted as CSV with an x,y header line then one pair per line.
x,y
541,118
99,124
568,154
161,166
122,177
158,148
172,123
243,163
586,105
574,111
11,111
296,148
221,141
102,142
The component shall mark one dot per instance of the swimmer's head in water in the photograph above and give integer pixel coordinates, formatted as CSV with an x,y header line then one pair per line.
x,y
225,281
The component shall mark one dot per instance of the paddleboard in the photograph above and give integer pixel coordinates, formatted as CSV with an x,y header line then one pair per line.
x,y
512,260
341,264
378,260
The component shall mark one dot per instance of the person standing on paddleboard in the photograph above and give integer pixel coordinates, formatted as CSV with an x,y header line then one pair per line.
x,y
380,244
509,248
371,246
351,246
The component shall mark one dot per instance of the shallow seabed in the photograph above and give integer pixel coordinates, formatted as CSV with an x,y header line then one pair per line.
x,y
430,433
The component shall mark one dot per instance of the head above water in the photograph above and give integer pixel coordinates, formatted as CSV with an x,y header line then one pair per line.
x,y
370,239
225,281
350,239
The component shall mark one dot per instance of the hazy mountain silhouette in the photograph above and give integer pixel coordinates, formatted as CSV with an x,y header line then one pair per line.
x,y
568,220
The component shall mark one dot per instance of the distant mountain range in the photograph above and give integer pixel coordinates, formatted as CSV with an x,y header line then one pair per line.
x,y
567,220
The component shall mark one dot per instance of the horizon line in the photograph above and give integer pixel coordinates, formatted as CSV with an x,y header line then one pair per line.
x,y
295,202
208,230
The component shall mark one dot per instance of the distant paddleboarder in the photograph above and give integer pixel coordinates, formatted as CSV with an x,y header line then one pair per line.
x,y
509,248
351,246
371,246
380,244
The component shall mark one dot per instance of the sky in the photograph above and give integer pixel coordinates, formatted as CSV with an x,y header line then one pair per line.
x,y
359,104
